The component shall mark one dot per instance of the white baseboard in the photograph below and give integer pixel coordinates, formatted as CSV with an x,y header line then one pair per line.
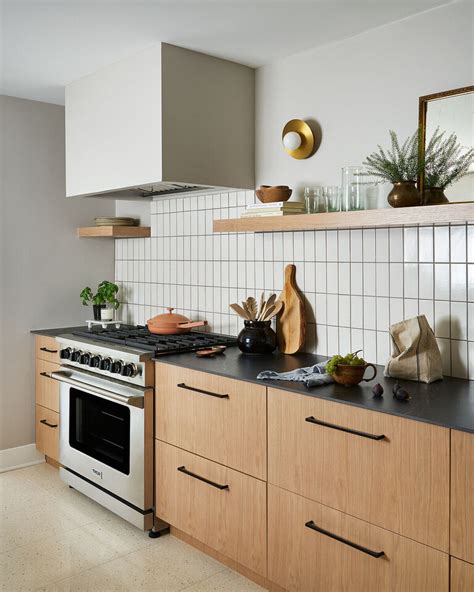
x,y
19,457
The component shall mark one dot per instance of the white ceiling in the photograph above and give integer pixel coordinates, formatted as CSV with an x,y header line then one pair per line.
x,y
45,45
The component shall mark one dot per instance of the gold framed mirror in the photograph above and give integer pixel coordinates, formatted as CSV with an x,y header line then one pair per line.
x,y
449,112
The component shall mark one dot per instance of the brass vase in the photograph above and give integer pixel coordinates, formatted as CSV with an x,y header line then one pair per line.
x,y
434,195
404,195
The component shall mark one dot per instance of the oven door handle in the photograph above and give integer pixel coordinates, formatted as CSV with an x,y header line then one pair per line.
x,y
133,401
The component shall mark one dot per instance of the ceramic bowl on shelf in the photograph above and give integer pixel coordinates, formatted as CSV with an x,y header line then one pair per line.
x,y
269,194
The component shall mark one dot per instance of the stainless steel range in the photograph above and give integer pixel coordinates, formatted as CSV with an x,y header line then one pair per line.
x,y
107,414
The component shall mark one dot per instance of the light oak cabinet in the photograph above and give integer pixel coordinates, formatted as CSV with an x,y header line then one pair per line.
x,y
462,576
222,508
47,397
462,495
315,548
47,349
386,470
352,500
47,389
218,418
47,432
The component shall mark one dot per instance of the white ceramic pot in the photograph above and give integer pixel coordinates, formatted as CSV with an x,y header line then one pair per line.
x,y
107,314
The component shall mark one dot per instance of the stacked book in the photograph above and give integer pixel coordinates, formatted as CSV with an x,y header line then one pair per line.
x,y
276,208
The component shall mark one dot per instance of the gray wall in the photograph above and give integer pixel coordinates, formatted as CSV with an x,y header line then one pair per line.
x,y
43,266
358,89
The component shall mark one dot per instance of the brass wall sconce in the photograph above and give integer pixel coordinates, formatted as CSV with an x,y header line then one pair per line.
x,y
298,139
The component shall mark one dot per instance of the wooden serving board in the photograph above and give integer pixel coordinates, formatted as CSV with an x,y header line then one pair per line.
x,y
291,324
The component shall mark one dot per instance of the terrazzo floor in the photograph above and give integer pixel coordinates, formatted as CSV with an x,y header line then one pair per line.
x,y
53,538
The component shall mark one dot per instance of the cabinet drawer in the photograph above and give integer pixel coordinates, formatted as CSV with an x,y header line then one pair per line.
x,y
328,452
218,418
47,349
302,558
462,576
47,432
462,495
231,520
47,389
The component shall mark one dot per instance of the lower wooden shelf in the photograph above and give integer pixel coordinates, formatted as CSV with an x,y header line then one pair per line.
x,y
458,213
114,232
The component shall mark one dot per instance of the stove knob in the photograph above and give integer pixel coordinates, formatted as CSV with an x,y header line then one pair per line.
x,y
65,354
85,358
129,370
117,367
76,355
106,364
94,362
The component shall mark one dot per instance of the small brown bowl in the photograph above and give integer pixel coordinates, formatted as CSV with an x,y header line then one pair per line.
x,y
351,375
267,194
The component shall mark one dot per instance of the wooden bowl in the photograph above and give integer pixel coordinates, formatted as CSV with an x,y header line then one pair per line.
x,y
267,194
351,375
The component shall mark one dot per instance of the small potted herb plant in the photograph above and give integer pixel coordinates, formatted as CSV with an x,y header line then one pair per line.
x,y
400,165
446,161
106,295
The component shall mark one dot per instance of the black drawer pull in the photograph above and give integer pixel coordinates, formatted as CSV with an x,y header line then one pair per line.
x,y
183,469
313,526
50,425
50,351
312,419
196,390
45,374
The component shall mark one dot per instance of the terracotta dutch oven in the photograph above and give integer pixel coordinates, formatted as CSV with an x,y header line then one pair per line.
x,y
172,324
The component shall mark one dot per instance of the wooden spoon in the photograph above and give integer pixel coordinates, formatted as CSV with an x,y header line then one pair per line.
x,y
262,305
252,307
240,311
274,310
270,302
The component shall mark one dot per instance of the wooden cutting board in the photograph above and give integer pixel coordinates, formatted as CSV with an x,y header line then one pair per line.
x,y
291,324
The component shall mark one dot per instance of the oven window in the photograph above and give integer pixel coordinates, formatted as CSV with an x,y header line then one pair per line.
x,y
100,429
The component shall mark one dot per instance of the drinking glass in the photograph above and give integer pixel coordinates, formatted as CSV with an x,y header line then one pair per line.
x,y
331,194
353,188
311,198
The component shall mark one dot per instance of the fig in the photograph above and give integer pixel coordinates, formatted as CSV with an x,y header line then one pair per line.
x,y
402,394
377,389
396,386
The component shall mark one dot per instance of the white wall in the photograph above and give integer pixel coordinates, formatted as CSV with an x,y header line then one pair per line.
x,y
357,90
43,266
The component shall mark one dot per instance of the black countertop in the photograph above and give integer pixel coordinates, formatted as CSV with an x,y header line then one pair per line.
x,y
58,331
448,402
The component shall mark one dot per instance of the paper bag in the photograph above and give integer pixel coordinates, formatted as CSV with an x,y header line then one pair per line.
x,y
416,355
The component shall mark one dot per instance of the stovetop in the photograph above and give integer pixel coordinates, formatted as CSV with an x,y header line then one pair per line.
x,y
139,337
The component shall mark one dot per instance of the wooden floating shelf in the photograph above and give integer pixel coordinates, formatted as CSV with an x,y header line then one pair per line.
x,y
459,213
114,232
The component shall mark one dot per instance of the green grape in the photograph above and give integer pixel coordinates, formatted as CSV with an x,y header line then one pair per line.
x,y
351,359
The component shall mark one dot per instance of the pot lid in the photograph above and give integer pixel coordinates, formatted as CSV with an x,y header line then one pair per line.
x,y
168,319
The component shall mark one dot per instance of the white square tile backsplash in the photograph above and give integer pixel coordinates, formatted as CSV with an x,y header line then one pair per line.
x,y
356,282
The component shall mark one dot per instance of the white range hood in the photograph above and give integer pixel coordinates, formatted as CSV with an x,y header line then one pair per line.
x,y
166,120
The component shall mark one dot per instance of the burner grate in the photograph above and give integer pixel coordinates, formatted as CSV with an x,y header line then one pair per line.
x,y
140,337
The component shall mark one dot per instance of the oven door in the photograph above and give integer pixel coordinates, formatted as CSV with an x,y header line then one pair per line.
x,y
102,434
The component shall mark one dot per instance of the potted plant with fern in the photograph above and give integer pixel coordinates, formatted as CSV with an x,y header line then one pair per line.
x,y
106,294
400,166
445,162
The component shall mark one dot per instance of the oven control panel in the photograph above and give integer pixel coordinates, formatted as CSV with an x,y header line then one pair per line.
x,y
121,365
106,363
